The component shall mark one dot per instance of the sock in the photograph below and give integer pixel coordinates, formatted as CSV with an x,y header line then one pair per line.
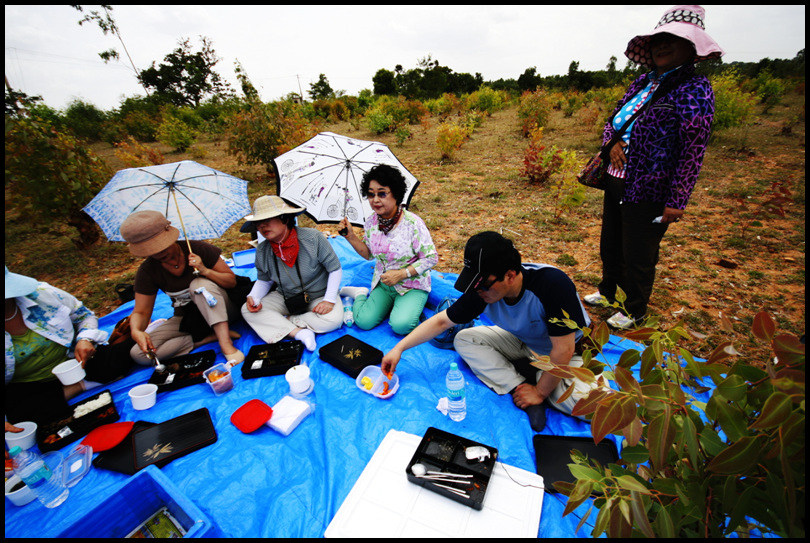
x,y
307,337
354,292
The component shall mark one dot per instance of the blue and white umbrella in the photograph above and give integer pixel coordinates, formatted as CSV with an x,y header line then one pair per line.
x,y
203,201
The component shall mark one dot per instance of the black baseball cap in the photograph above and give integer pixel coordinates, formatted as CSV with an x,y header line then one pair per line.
x,y
486,253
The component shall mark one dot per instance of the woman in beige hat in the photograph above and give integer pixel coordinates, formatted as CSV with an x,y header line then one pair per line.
x,y
304,267
191,279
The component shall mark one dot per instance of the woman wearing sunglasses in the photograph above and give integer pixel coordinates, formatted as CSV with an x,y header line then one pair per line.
x,y
400,243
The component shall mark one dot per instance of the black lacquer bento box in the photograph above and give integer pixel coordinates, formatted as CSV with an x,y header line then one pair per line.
x,y
182,371
444,452
272,359
58,433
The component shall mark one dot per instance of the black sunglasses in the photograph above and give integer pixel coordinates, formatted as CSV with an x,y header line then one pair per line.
x,y
485,286
381,195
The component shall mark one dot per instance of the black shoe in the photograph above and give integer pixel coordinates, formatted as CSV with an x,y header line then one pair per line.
x,y
537,417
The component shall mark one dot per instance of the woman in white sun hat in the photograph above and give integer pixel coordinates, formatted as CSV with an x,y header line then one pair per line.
x,y
301,263
655,164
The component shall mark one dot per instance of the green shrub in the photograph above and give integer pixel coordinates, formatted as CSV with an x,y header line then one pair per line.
x,y
449,138
379,122
176,134
692,467
52,175
261,132
534,110
769,89
485,100
732,106
84,120
443,105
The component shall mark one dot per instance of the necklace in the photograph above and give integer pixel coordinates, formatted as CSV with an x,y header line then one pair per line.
x,y
16,309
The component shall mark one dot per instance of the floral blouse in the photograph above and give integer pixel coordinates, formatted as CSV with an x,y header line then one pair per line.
x,y
56,315
408,243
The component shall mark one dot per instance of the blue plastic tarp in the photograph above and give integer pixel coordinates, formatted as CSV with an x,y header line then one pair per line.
x,y
265,484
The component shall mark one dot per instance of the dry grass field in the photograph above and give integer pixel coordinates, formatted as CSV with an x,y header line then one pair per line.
x,y
725,257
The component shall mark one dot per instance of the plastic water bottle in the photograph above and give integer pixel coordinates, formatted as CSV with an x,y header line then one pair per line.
x,y
38,477
348,314
456,396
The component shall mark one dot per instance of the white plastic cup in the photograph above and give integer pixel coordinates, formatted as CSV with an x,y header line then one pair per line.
x,y
298,379
21,496
69,372
143,396
25,439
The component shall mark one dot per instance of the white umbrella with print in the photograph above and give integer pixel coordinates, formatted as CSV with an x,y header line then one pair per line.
x,y
323,176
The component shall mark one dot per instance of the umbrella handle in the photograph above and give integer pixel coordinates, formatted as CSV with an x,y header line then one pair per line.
x,y
183,226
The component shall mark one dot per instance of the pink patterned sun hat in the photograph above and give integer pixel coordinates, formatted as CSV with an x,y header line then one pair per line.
x,y
686,22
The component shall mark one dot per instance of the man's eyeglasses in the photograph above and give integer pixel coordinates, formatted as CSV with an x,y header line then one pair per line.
x,y
484,286
382,195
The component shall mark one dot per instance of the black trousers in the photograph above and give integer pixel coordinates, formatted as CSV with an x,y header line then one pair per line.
x,y
629,247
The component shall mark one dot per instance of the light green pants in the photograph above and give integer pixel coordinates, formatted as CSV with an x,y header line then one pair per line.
x,y
404,309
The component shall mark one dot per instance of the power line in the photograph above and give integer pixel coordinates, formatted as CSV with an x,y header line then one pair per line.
x,y
41,53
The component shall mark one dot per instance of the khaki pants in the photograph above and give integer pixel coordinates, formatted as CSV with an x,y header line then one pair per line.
x,y
169,341
273,321
490,352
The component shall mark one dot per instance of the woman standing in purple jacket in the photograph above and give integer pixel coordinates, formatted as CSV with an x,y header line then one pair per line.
x,y
654,166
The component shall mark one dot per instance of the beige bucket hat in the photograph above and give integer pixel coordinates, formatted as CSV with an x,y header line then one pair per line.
x,y
267,207
148,232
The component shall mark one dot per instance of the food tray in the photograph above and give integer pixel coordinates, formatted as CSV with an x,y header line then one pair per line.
x,y
172,439
350,355
272,359
445,452
59,433
378,381
553,454
183,371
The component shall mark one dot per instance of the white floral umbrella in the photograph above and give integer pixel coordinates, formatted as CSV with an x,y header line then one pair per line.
x,y
203,201
323,175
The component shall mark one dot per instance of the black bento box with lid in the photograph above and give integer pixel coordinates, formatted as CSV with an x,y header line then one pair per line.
x,y
445,452
182,371
272,359
350,355
55,435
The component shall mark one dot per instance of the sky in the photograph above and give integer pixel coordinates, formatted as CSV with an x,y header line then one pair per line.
x,y
283,49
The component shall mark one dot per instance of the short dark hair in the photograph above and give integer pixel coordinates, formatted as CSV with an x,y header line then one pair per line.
x,y
387,176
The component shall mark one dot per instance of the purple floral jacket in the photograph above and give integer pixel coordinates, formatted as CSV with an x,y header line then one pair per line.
x,y
668,139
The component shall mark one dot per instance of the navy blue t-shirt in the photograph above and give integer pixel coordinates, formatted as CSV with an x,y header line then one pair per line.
x,y
547,292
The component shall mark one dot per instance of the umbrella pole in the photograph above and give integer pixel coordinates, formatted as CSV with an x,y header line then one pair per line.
x,y
183,226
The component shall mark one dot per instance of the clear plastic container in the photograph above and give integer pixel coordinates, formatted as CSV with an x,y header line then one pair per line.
x,y
348,311
220,378
36,474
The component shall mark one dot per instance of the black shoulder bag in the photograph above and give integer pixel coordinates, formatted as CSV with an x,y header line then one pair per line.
x,y
298,303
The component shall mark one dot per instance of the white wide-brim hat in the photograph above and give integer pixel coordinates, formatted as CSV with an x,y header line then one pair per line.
x,y
267,207
686,22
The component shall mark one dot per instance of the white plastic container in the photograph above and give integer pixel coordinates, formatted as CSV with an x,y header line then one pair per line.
x,y
25,439
143,396
375,376
20,496
299,380
69,372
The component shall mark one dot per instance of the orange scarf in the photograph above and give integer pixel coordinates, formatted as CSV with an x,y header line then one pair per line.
x,y
287,250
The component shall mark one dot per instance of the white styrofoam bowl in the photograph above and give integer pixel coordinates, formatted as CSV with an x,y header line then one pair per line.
x,y
143,396
69,372
24,439
19,497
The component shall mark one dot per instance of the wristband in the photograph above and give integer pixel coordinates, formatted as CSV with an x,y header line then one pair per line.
x,y
408,271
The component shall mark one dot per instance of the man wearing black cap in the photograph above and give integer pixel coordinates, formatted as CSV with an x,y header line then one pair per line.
x,y
520,299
